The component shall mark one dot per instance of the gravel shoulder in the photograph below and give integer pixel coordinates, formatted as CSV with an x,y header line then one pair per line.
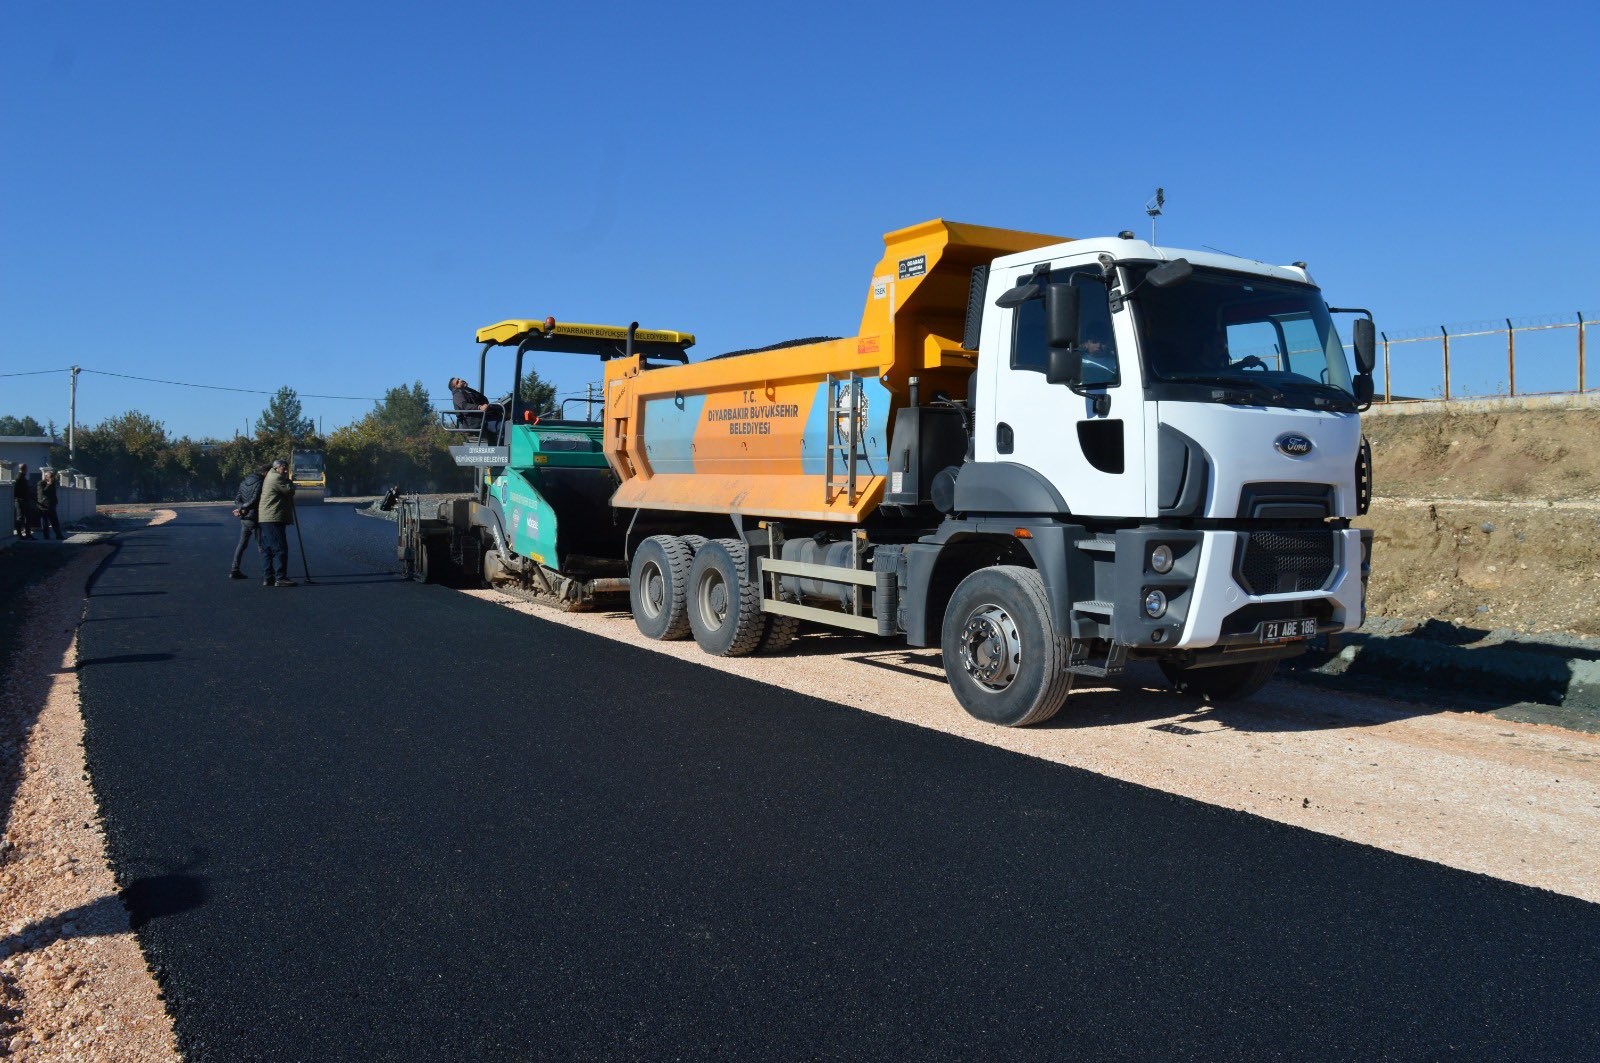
x,y
1516,801
74,984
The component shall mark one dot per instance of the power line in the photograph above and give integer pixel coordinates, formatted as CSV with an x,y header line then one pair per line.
x,y
215,387
35,372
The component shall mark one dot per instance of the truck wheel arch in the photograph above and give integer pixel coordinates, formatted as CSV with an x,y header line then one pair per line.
x,y
935,570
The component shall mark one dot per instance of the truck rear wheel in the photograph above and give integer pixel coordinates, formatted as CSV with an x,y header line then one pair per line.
x,y
1002,656
724,604
656,587
1225,682
781,632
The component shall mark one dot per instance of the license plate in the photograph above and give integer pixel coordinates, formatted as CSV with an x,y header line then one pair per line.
x,y
1288,630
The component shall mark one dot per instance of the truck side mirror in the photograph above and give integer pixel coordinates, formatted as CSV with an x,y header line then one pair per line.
x,y
1363,390
1366,346
1065,366
1061,315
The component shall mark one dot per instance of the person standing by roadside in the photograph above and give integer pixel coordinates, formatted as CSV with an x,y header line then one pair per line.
x,y
46,497
25,502
275,511
247,504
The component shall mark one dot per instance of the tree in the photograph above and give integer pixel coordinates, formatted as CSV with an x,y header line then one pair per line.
x,y
406,410
131,455
536,395
20,426
281,424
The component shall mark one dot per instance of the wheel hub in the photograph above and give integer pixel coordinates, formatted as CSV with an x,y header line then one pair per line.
x,y
713,600
655,591
991,648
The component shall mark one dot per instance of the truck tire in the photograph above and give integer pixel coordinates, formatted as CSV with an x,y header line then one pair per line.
x,y
1005,661
1225,682
695,542
656,587
781,631
724,603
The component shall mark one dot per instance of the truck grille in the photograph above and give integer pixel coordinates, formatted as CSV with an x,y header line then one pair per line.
x,y
1278,562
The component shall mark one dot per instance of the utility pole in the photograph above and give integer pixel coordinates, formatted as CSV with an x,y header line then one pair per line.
x,y
589,400
72,419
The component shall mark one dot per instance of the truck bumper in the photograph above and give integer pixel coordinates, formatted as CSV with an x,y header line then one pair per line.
x,y
1226,608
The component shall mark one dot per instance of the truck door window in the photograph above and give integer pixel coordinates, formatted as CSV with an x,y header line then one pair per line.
x,y
1096,337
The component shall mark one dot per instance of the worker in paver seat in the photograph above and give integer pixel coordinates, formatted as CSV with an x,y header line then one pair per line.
x,y
470,399
247,504
275,512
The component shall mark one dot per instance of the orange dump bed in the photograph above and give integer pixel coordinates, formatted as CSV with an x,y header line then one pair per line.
x,y
750,435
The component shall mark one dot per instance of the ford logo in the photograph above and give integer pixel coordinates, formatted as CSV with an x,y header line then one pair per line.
x,y
1294,444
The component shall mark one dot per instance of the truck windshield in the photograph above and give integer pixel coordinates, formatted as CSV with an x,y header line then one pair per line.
x,y
1241,337
307,464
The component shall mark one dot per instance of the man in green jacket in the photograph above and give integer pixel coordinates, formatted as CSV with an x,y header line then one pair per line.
x,y
276,511
47,500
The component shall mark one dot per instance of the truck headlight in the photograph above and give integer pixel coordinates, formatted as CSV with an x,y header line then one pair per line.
x,y
1161,559
1155,605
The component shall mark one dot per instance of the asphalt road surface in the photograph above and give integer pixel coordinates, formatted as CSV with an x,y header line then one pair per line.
x,y
368,819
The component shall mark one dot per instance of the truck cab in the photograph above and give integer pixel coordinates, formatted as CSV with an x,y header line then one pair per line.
x,y
1188,423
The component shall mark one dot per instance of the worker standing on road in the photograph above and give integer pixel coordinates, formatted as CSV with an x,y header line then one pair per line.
x,y
46,497
247,505
275,511
25,502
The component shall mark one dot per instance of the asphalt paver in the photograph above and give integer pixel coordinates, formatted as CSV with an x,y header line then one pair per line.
x,y
369,819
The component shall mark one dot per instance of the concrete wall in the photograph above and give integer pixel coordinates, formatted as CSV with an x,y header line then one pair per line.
x,y
1491,404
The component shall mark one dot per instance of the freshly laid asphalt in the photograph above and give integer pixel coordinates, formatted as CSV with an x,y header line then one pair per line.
x,y
369,819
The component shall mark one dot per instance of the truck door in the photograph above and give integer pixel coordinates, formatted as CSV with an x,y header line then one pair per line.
x,y
1096,461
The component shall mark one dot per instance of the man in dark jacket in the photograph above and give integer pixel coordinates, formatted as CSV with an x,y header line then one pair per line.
x,y
46,497
481,412
276,510
24,488
246,502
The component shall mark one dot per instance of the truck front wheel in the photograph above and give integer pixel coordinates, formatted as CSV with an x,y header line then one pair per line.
x,y
1225,682
1002,657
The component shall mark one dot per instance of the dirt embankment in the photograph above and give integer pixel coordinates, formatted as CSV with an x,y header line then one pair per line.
x,y
1489,519
1511,454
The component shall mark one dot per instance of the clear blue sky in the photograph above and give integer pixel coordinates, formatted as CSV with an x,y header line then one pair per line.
x,y
334,195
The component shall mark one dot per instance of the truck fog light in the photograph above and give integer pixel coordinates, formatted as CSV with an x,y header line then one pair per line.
x,y
1161,559
1155,604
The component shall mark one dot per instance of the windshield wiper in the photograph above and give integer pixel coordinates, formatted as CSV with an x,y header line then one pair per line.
x,y
1226,381
1339,394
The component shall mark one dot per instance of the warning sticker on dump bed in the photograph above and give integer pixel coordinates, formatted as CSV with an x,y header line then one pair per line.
x,y
915,266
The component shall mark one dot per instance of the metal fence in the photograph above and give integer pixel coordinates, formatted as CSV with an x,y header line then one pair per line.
x,y
1509,357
